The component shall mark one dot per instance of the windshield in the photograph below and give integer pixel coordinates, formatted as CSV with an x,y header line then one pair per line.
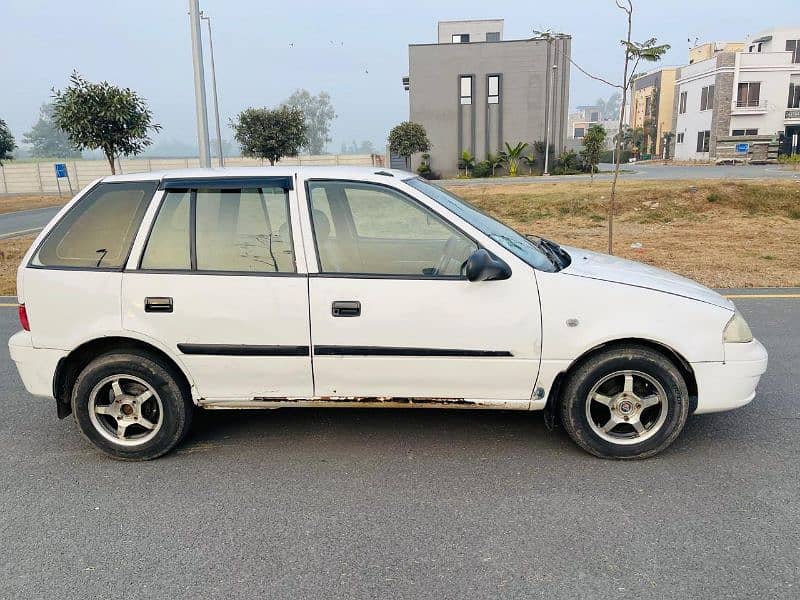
x,y
535,254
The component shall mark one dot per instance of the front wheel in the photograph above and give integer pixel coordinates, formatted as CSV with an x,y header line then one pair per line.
x,y
131,406
625,403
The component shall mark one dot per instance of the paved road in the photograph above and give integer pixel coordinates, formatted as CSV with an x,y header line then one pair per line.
x,y
408,504
25,222
654,172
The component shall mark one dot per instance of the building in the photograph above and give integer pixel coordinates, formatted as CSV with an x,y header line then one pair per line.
x,y
710,49
474,91
582,119
741,105
652,99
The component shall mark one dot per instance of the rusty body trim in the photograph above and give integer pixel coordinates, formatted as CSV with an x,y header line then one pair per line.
x,y
365,402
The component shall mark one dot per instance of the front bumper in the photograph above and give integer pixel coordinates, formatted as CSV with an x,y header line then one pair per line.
x,y
730,384
36,366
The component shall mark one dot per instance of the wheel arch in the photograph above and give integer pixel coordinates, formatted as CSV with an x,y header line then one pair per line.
x,y
70,366
680,362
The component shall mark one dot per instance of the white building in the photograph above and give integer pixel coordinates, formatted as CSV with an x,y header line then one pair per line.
x,y
753,95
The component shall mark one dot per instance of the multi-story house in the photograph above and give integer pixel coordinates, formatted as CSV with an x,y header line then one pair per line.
x,y
582,119
741,105
474,91
651,107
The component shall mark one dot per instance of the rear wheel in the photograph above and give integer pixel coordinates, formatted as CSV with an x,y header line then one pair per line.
x,y
131,406
625,403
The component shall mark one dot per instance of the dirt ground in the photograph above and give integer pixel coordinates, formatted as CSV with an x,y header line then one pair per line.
x,y
721,233
14,202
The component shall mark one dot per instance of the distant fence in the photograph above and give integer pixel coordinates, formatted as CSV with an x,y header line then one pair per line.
x,y
40,177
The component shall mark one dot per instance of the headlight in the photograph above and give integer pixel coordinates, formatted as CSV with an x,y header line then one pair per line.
x,y
737,331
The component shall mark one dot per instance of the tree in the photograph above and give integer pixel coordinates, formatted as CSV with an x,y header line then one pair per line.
x,y
407,139
494,161
593,144
103,116
270,134
319,113
467,162
609,108
7,143
512,156
48,139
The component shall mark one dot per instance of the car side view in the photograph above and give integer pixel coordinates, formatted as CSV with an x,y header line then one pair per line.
x,y
152,295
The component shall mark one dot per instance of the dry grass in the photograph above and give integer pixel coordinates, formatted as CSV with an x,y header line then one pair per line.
x,y
721,233
14,203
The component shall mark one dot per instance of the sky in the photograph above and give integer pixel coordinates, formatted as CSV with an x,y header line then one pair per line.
x,y
356,51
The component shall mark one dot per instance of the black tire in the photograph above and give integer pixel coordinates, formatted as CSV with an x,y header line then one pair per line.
x,y
604,364
175,409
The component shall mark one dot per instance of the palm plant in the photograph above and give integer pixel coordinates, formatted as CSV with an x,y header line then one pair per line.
x,y
511,157
494,160
530,159
467,162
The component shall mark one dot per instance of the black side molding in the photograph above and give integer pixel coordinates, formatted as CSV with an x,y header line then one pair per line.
x,y
392,351
239,350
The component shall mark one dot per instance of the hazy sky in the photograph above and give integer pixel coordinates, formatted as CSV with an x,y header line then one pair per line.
x,y
356,51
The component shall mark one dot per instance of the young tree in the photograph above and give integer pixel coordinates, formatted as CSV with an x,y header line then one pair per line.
x,y
270,134
319,113
593,144
494,161
530,159
467,162
7,143
512,155
48,139
103,116
407,139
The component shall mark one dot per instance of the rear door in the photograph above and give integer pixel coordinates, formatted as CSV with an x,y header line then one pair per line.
x,y
217,282
392,315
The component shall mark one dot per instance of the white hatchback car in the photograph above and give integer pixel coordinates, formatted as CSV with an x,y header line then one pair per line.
x,y
151,294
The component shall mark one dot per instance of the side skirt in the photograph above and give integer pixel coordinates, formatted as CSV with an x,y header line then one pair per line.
x,y
365,402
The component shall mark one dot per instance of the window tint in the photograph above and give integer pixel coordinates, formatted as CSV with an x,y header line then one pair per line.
x,y
388,233
98,231
244,230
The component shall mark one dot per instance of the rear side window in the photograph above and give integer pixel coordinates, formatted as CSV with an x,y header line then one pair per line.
x,y
97,233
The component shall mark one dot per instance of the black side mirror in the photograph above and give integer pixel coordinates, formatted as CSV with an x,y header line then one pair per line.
x,y
484,266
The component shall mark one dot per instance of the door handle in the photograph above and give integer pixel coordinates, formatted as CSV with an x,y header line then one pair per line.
x,y
346,308
158,304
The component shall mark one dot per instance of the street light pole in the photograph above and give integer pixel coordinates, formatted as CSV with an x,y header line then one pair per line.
x,y
199,84
214,88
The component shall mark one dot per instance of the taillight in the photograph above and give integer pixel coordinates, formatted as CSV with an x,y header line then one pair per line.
x,y
23,318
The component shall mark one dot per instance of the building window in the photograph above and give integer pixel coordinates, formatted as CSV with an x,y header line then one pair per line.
x,y
749,94
741,132
682,106
707,98
703,141
460,38
794,95
493,36
493,85
793,46
680,138
595,116
465,87
579,132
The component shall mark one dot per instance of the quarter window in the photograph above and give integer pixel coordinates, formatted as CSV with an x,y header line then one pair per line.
x,y
383,232
235,230
465,89
97,233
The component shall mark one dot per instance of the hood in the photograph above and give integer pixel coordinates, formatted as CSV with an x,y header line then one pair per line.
x,y
594,265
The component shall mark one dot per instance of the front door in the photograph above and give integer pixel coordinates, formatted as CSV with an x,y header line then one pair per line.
x,y
218,285
392,315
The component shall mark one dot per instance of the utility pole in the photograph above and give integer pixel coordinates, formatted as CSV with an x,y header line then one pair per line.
x,y
199,85
214,88
549,91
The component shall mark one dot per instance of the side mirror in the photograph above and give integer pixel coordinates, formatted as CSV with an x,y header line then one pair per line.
x,y
484,266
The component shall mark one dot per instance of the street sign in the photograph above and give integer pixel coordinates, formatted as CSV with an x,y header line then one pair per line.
x,y
742,148
61,170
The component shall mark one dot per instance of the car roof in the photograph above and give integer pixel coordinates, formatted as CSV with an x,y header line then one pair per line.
x,y
342,172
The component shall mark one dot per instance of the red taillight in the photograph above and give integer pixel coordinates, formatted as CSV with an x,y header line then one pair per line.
x,y
23,318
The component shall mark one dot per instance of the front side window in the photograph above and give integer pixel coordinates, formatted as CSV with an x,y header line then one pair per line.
x,y
465,88
748,94
235,230
380,231
97,233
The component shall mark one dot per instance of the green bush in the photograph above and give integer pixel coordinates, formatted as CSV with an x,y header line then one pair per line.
x,y
482,169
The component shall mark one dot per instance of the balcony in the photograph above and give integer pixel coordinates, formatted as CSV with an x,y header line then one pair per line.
x,y
749,107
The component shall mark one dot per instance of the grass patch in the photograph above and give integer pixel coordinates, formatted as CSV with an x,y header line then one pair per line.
x,y
11,253
13,203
